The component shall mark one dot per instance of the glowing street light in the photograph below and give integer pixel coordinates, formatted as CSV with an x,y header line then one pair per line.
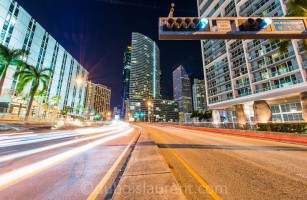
x,y
149,104
79,81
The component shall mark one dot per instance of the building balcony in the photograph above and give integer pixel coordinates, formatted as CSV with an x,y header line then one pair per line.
x,y
284,71
287,84
263,90
241,85
220,100
280,58
279,86
240,74
277,73
220,92
244,94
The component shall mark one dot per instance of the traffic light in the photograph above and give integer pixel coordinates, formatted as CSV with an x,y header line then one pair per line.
x,y
186,24
257,24
136,114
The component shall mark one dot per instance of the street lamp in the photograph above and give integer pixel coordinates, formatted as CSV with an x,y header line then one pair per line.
x,y
79,81
149,104
109,114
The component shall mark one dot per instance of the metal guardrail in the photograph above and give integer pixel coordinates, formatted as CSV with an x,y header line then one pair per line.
x,y
222,125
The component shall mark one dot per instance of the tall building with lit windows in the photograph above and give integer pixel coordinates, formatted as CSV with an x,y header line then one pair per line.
x,y
199,95
98,98
182,89
249,80
145,68
18,30
144,84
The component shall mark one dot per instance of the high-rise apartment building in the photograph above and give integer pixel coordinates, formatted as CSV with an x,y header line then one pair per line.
x,y
182,89
126,72
18,30
145,84
145,68
98,98
199,95
126,79
250,79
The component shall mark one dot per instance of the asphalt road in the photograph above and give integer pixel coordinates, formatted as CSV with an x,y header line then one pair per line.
x,y
216,166
79,164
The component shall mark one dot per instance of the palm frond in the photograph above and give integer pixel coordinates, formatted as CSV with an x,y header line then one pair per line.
x,y
22,84
22,73
4,51
17,53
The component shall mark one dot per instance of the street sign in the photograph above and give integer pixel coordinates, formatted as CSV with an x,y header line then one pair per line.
x,y
194,28
289,25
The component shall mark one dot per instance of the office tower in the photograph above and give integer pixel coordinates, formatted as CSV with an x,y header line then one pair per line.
x,y
199,95
145,68
126,79
182,89
18,30
250,79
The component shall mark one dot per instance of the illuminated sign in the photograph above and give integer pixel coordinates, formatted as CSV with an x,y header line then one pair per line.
x,y
289,25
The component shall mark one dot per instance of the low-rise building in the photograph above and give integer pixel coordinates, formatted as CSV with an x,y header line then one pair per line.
x,y
154,110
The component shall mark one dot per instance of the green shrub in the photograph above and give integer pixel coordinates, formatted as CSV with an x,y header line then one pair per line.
x,y
284,127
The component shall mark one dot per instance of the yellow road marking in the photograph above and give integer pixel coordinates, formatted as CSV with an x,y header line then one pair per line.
x,y
212,193
105,179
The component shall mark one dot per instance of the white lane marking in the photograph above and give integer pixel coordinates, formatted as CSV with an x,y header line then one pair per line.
x,y
105,179
43,138
39,150
15,176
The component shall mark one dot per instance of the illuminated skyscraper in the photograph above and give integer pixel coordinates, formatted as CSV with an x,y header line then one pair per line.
x,y
145,68
182,89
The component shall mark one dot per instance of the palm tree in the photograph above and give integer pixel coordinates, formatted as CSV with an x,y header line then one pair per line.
x,y
40,78
296,8
9,57
78,109
40,96
56,100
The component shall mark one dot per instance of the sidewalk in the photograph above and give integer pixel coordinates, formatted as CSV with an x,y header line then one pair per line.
x,y
147,175
285,137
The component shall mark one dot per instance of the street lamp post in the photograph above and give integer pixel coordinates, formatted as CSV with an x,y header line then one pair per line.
x,y
149,104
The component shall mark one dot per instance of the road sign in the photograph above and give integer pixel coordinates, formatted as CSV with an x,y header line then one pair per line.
x,y
289,25
191,28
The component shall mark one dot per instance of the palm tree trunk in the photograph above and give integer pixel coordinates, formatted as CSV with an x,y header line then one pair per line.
x,y
29,107
3,78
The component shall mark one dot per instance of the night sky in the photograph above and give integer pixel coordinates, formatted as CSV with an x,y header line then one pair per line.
x,y
96,33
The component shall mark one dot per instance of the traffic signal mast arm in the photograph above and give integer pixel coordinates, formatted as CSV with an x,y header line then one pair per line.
x,y
191,28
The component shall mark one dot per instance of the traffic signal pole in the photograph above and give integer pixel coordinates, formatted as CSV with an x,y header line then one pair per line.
x,y
194,28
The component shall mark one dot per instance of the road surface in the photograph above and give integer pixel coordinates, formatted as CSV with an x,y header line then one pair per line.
x,y
216,166
79,164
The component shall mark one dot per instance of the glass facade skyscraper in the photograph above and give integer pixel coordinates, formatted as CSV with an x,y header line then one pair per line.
x,y
242,73
199,95
182,89
145,68
18,30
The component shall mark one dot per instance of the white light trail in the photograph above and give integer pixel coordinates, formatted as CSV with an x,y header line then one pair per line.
x,y
59,135
39,150
22,173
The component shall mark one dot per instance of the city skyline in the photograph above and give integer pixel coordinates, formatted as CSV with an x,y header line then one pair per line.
x,y
102,58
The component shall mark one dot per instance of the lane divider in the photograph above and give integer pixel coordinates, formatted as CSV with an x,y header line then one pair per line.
x,y
210,191
15,176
